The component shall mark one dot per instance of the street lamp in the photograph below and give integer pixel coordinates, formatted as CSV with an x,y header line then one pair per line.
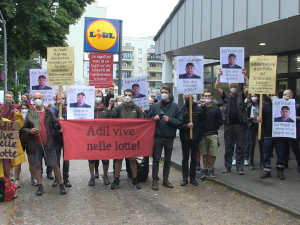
x,y
5,51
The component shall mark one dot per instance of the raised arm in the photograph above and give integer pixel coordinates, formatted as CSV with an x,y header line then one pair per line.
x,y
247,81
217,84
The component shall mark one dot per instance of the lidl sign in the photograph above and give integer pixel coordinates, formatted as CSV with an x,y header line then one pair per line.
x,y
101,35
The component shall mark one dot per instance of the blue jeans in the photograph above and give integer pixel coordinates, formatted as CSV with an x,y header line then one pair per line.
x,y
247,144
268,145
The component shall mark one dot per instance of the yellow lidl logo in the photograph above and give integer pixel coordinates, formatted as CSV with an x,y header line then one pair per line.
x,y
101,35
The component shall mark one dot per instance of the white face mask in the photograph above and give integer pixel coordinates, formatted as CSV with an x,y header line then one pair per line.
x,y
274,97
286,97
119,103
246,100
254,99
24,111
62,102
164,96
38,102
233,90
207,100
127,99
98,99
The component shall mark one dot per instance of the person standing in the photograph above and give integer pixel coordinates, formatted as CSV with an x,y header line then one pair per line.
x,y
189,144
234,117
168,118
41,143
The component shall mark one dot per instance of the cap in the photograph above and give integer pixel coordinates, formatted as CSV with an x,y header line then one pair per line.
x,y
135,85
42,76
232,55
285,107
189,64
80,93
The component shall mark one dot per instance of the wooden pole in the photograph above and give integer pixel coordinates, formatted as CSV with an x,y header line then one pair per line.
x,y
60,105
191,114
260,114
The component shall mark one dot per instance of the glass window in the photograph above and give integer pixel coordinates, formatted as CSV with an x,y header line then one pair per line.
x,y
140,69
140,60
294,63
140,51
282,64
152,84
128,44
215,71
207,72
152,46
127,74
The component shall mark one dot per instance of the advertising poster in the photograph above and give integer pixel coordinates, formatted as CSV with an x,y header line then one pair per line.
x,y
284,118
101,69
262,74
232,64
190,77
81,101
60,66
39,83
139,86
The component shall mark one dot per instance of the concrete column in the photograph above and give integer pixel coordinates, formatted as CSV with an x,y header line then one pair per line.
x,y
167,68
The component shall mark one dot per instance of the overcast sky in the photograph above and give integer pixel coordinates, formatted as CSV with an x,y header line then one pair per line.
x,y
141,18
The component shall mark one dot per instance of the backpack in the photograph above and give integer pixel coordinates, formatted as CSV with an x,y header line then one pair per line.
x,y
143,169
136,109
7,190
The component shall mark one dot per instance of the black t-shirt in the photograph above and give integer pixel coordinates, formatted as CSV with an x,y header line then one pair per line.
x,y
233,111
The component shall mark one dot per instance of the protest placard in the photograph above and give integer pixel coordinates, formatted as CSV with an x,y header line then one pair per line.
x,y
60,65
101,69
190,74
81,102
232,64
107,138
9,139
283,118
139,86
38,83
262,79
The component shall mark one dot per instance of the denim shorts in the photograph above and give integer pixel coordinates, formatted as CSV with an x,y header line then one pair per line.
x,y
50,156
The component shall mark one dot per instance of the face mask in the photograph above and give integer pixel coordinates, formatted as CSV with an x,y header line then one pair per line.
x,y
254,99
24,111
119,103
62,102
274,97
233,90
246,100
38,102
98,100
207,100
164,96
286,97
187,101
150,106
127,99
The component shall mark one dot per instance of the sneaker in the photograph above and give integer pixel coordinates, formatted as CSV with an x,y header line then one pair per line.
x,y
203,173
55,183
184,182
198,168
34,181
92,182
106,180
62,189
211,173
246,163
50,176
67,183
194,182
96,174
135,183
17,182
115,184
234,162
40,190
265,175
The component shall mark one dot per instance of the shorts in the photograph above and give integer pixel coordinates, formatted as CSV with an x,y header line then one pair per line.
x,y
209,143
50,157
6,161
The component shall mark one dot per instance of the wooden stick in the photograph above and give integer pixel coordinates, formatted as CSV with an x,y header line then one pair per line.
x,y
191,114
42,144
260,114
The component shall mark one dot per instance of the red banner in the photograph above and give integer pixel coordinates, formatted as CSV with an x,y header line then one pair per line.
x,y
104,139
101,69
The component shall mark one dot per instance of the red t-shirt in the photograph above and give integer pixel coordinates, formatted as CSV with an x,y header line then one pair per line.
x,y
41,134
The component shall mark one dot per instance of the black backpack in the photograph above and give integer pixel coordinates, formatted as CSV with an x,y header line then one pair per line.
x,y
143,169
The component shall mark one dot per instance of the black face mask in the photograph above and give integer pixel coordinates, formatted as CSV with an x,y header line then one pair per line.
x,y
187,101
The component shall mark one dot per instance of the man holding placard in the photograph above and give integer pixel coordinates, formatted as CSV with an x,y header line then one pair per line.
x,y
234,117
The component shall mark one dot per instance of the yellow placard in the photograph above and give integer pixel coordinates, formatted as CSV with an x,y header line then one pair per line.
x,y
60,65
263,70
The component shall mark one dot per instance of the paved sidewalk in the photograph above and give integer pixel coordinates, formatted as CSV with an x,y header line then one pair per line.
x,y
283,194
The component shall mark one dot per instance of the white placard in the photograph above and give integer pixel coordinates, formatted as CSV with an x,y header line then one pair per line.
x,y
190,76
284,118
139,86
81,102
232,64
38,83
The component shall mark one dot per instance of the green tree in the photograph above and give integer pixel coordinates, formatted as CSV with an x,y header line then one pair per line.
x,y
34,25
